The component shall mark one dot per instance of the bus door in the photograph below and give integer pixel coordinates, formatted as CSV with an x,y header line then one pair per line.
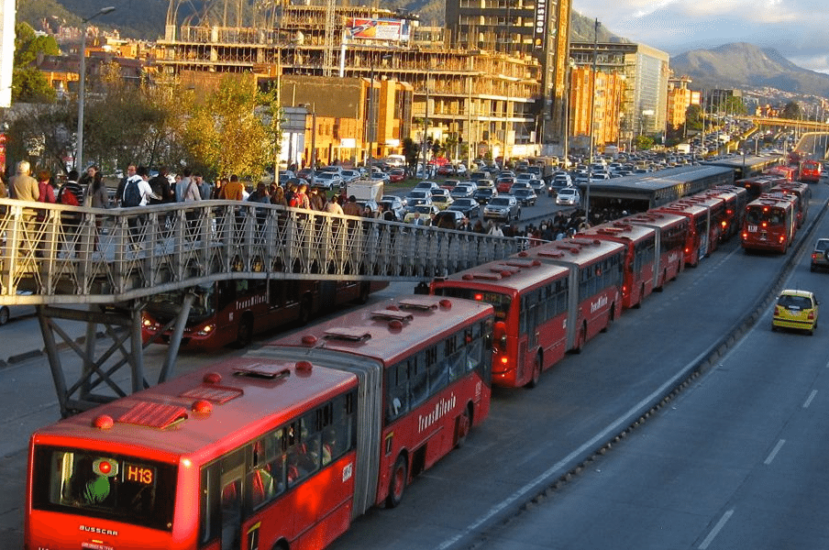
x,y
232,474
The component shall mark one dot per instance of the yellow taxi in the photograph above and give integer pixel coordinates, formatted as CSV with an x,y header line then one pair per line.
x,y
797,309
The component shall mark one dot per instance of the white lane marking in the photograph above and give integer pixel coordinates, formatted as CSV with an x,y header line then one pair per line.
x,y
774,452
603,436
809,399
716,530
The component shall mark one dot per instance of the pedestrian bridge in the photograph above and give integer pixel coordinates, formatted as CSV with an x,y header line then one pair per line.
x,y
56,254
100,266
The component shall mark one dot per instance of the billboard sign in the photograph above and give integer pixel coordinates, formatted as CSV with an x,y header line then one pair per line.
x,y
362,28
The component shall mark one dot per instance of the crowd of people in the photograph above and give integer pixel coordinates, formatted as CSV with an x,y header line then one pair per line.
x,y
138,188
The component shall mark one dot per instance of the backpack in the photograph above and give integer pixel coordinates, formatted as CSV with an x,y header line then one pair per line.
x,y
68,197
132,194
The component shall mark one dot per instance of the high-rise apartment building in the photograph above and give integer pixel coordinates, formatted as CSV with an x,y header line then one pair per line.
x,y
680,97
645,70
537,28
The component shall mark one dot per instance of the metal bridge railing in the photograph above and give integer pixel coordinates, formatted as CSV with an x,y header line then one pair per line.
x,y
57,254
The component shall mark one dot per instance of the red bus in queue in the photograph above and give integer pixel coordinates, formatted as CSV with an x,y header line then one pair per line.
x,y
281,449
232,311
735,199
671,231
786,172
758,185
770,224
531,303
699,222
810,171
716,215
596,281
802,193
639,259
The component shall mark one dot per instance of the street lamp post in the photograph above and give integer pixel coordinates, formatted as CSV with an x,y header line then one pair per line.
x,y
371,119
591,129
82,84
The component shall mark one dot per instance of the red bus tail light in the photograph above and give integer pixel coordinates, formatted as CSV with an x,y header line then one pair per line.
x,y
811,315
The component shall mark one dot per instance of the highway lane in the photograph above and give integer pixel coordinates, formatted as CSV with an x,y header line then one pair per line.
x,y
534,438
737,461
531,438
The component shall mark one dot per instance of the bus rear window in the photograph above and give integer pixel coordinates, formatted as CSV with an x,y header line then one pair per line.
x,y
500,302
108,486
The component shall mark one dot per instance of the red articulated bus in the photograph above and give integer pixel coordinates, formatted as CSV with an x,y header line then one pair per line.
x,y
699,228
758,185
226,312
788,172
716,217
596,281
770,224
282,449
531,303
640,257
810,171
803,194
735,199
671,235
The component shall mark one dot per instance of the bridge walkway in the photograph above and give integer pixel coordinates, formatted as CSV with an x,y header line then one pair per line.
x,y
101,266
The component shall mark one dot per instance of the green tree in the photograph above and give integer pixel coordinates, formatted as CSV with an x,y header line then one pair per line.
x,y
693,118
792,111
28,83
643,142
227,132
411,150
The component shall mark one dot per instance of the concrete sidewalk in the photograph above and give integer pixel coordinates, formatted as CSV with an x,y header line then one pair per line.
x,y
22,340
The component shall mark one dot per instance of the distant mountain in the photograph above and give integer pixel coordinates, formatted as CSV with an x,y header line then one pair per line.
x,y
745,66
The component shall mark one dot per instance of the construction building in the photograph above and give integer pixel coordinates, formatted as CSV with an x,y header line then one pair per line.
x,y
482,98
527,28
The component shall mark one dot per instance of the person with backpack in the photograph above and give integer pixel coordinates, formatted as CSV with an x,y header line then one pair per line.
x,y
137,192
71,194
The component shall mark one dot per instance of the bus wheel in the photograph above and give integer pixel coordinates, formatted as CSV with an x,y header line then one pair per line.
x,y
641,297
245,335
4,315
365,291
581,338
536,372
304,311
464,425
399,476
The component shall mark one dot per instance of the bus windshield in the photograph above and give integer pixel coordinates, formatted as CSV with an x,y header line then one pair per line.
x,y
501,302
165,306
772,216
103,485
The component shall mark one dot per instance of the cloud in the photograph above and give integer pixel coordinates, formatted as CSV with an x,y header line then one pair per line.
x,y
795,28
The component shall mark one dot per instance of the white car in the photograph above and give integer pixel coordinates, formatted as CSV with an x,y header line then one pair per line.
x,y
568,196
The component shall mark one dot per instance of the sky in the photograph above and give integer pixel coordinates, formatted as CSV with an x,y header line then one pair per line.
x,y
798,29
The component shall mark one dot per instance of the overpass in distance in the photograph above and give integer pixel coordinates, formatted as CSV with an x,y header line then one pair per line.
x,y
101,266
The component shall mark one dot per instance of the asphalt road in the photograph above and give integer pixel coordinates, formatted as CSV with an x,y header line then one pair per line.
x,y
738,461
534,438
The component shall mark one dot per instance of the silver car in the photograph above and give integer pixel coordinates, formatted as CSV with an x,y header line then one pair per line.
x,y
502,207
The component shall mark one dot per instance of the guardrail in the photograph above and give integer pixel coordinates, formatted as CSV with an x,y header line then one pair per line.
x,y
58,254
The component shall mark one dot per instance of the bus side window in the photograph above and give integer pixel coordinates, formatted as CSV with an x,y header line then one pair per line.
x,y
210,517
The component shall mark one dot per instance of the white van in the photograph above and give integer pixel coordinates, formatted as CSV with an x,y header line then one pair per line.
x,y
396,161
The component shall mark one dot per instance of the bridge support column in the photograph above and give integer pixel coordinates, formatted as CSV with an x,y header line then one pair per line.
x,y
96,381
